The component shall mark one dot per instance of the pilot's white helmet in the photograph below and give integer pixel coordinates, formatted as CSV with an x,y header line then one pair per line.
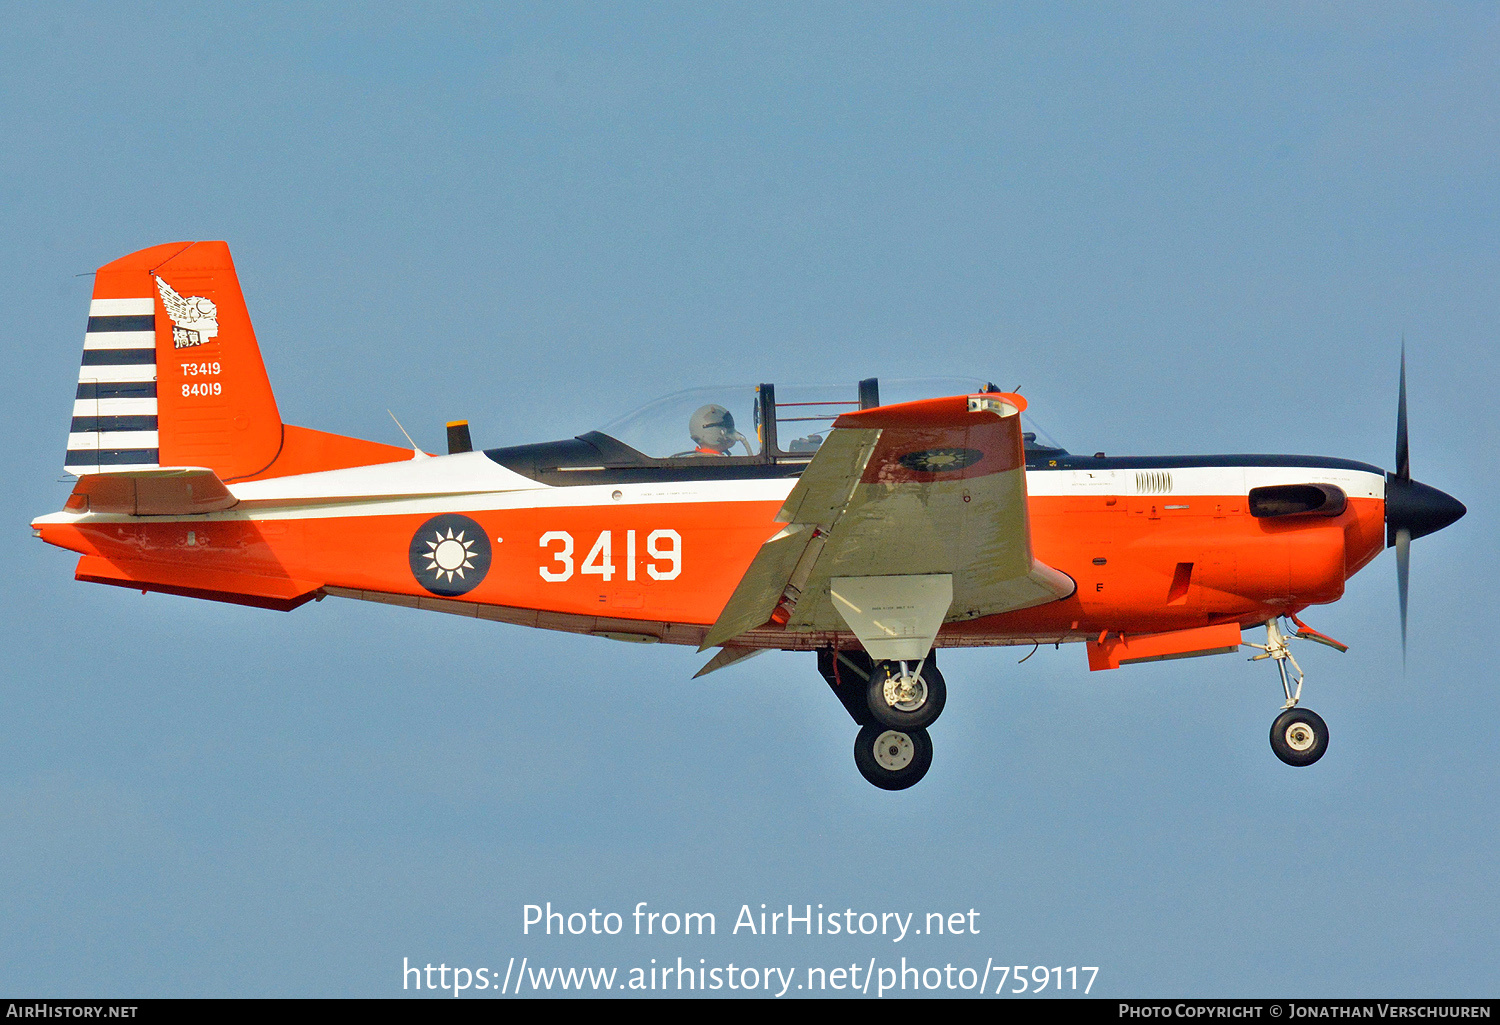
x,y
712,427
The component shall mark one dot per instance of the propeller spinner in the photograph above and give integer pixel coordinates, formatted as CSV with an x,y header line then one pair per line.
x,y
1412,509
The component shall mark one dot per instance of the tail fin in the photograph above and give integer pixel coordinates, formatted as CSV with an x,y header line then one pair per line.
x,y
172,376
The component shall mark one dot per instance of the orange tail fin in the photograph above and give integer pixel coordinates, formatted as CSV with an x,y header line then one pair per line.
x,y
172,376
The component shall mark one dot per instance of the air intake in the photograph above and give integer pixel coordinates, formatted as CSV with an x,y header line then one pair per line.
x,y
1297,500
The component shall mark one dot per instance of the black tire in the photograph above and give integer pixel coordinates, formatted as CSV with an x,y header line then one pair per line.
x,y
1299,736
893,759
905,717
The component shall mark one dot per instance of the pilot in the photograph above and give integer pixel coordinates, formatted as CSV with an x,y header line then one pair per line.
x,y
712,430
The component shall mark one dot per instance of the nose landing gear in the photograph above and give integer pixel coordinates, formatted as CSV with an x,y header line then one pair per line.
x,y
1299,736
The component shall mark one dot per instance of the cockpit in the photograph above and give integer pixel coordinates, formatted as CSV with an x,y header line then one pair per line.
x,y
723,432
761,421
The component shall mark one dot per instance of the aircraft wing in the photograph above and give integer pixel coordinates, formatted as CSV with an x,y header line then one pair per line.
x,y
909,516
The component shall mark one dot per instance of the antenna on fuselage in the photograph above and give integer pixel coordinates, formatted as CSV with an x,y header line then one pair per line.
x,y
417,450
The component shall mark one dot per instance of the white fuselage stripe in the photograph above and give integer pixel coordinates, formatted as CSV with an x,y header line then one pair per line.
x,y
121,307
119,340
263,503
90,440
129,374
114,407
79,469
1198,480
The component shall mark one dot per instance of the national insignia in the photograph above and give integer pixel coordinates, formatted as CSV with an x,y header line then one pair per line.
x,y
449,555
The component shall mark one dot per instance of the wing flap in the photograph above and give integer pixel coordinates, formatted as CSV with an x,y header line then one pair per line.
x,y
761,588
728,655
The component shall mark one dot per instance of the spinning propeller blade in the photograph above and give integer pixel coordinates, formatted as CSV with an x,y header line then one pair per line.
x,y
1403,453
1412,509
1403,577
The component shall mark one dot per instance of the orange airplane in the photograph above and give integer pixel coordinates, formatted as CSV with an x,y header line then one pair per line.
x,y
870,534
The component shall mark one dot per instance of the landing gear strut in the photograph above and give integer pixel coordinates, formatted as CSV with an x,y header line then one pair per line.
x,y
893,704
1299,736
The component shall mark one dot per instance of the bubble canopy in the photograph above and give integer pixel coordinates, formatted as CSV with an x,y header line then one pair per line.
x,y
765,421
661,428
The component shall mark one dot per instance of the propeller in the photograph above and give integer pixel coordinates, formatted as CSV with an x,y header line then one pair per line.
x,y
1403,451
1403,472
1403,579
1412,509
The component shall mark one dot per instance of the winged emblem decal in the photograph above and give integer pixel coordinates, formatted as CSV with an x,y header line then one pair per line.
x,y
195,320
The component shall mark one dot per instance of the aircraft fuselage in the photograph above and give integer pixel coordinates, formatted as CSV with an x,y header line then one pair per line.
x,y
1152,544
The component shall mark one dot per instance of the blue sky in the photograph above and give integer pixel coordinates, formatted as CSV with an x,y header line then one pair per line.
x,y
1178,228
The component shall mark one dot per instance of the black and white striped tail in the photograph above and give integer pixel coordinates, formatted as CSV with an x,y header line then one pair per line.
x,y
114,414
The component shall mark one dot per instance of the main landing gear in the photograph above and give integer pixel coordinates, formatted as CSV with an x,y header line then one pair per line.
x,y
1299,736
903,696
892,759
893,703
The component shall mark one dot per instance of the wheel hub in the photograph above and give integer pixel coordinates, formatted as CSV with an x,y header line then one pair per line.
x,y
1300,737
906,692
894,751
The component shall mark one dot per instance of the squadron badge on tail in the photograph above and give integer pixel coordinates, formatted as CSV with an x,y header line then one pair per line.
x,y
194,318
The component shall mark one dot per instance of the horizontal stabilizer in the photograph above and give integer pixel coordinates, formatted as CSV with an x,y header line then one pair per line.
x,y
169,491
280,593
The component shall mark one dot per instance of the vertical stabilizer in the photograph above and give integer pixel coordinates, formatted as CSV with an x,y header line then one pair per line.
x,y
172,376
171,373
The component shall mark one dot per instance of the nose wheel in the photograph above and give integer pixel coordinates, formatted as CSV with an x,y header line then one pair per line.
x,y
1299,736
